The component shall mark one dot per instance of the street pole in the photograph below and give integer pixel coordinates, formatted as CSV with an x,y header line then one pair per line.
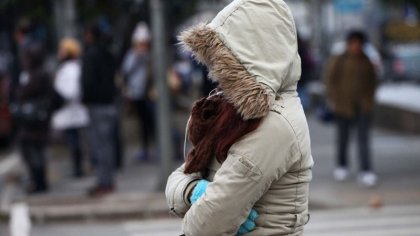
x,y
317,24
165,149
65,18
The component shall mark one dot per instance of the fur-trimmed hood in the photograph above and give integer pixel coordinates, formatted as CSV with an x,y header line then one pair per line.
x,y
250,48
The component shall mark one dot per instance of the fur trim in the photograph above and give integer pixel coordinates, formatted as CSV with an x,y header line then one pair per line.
x,y
250,98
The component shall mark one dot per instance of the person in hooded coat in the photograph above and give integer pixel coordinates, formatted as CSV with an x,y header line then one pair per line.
x,y
250,49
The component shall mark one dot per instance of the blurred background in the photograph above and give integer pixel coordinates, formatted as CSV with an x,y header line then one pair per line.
x,y
95,96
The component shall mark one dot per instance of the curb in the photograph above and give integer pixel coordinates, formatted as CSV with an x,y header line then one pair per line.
x,y
116,207
398,119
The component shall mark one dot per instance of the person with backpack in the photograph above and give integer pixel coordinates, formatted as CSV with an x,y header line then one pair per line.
x,y
32,111
351,82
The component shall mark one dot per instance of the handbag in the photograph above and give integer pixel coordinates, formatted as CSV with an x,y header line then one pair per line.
x,y
31,112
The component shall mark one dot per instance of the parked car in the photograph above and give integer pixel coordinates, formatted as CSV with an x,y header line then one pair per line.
x,y
403,63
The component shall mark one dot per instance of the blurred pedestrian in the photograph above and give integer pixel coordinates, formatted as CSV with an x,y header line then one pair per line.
x,y
308,67
351,81
99,91
22,38
5,118
249,170
138,81
32,112
73,116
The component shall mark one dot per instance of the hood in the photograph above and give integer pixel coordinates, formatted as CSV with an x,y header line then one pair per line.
x,y
250,48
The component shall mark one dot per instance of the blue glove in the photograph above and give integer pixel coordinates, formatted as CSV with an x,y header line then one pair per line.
x,y
199,190
249,224
246,227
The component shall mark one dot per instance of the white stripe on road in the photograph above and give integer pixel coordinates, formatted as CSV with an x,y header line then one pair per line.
x,y
389,221
20,223
403,231
153,228
367,212
364,223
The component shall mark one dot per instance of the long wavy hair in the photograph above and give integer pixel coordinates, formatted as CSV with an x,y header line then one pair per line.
x,y
214,127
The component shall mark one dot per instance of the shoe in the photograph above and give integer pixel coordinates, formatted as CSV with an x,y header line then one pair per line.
x,y
143,156
341,174
368,179
99,191
36,190
77,174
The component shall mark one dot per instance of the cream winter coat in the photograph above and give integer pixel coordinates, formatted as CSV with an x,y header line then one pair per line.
x,y
251,50
67,83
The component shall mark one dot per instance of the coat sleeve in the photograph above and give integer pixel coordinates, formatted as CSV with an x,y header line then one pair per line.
x,y
178,187
89,73
67,82
370,87
251,167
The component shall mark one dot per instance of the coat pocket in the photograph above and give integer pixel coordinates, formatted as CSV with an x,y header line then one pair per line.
x,y
245,167
300,220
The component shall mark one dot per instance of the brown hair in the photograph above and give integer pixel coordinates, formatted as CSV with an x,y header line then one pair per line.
x,y
214,127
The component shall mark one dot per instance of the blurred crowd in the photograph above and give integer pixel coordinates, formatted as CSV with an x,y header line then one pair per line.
x,y
83,88
85,93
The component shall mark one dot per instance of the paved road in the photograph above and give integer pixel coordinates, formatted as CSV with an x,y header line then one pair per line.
x,y
389,221
397,161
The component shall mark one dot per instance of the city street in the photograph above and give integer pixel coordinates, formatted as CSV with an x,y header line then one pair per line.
x,y
347,204
390,221
95,97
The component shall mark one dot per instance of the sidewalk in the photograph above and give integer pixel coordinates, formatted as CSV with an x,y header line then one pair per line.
x,y
396,108
136,195
397,158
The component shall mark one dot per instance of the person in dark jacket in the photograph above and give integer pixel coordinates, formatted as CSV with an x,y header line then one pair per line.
x,y
308,66
351,83
33,91
99,92
22,38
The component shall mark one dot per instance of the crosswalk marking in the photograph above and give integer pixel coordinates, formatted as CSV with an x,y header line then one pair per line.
x,y
388,221
411,231
154,228
360,212
367,223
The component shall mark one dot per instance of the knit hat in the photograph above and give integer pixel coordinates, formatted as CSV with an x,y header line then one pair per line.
x,y
141,33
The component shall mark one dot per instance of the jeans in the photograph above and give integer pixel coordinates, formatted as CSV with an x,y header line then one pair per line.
x,y
344,125
102,144
33,154
145,115
74,142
